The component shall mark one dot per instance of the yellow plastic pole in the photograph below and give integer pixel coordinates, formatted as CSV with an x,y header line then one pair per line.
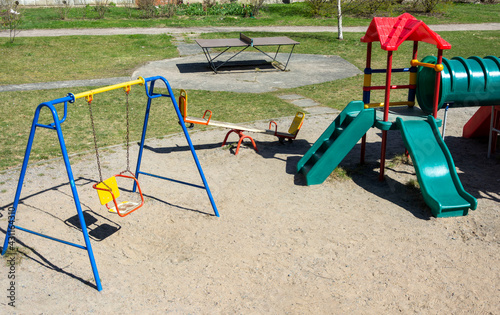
x,y
89,94
437,67
407,103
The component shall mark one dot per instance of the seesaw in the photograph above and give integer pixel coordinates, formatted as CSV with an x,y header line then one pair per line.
x,y
290,135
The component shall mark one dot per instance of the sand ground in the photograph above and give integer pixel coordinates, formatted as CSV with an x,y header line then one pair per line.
x,y
348,246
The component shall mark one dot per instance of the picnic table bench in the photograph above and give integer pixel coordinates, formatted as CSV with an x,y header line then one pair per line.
x,y
245,42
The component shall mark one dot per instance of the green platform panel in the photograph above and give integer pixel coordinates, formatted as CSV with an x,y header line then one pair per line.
x,y
336,142
441,188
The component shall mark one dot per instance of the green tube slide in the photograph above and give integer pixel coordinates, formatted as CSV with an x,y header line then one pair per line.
x,y
467,82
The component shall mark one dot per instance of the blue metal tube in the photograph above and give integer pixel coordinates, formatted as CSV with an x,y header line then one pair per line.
x,y
171,179
50,237
188,138
57,127
12,215
77,200
392,70
143,138
65,100
151,93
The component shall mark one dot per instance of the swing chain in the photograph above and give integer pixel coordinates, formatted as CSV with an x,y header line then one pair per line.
x,y
89,101
127,137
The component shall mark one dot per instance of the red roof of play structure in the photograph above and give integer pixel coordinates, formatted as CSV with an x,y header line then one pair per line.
x,y
392,31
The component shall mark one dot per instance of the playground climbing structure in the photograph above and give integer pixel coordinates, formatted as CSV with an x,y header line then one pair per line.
x,y
436,173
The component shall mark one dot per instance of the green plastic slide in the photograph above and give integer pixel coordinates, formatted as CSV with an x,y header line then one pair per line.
x,y
335,142
436,173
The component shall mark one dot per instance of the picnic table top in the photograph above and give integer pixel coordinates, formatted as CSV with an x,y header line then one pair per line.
x,y
237,42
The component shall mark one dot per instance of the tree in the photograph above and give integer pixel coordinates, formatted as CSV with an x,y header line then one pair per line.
x,y
10,17
358,7
339,19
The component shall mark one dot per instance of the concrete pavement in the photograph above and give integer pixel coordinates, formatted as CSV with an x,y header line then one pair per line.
x,y
190,71
215,29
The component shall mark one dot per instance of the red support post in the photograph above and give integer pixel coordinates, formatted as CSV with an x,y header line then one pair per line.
x,y
437,86
363,150
388,86
368,55
415,50
368,65
386,113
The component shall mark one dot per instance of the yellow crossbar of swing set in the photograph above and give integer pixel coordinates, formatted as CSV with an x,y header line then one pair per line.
x,y
89,94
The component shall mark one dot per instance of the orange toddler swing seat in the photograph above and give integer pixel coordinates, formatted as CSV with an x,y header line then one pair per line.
x,y
108,191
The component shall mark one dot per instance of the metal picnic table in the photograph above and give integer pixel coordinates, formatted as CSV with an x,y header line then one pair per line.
x,y
244,42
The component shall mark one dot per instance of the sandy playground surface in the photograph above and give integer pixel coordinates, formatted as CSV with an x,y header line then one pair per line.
x,y
355,246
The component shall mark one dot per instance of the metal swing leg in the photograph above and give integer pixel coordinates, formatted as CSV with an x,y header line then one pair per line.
x,y
151,95
57,127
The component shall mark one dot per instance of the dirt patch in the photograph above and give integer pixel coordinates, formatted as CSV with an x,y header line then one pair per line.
x,y
346,246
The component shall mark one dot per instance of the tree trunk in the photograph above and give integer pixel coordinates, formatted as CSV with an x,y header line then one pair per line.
x,y
339,20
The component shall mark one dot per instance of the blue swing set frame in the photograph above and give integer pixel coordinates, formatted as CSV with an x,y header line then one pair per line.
x,y
56,125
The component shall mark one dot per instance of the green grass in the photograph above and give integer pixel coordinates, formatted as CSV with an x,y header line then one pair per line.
x,y
340,174
39,59
110,117
413,185
398,160
109,106
18,253
297,14
30,60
